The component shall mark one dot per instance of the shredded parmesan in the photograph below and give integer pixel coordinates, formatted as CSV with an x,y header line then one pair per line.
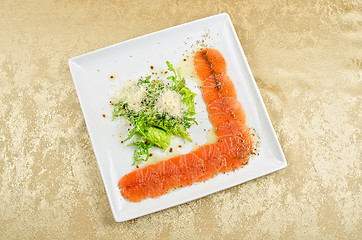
x,y
132,94
170,102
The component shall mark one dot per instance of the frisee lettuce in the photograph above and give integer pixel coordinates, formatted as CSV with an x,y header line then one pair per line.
x,y
152,128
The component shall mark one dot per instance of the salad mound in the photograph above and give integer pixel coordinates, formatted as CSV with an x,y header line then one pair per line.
x,y
157,111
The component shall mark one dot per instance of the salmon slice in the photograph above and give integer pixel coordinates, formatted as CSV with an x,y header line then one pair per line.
x,y
169,169
138,192
151,187
155,180
170,172
202,66
150,181
149,173
135,177
225,109
192,168
236,150
213,160
232,128
180,171
217,86
142,183
133,193
166,170
209,61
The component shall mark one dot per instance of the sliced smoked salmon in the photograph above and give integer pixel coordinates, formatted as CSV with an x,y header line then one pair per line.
x,y
171,172
232,128
202,164
209,61
230,152
213,160
225,109
236,150
192,168
141,175
155,180
217,86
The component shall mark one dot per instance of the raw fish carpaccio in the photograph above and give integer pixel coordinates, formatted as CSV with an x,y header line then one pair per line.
x,y
231,151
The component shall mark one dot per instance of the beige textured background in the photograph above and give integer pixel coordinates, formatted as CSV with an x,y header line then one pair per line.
x,y
306,57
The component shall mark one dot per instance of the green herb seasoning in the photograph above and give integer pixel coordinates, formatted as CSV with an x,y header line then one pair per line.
x,y
157,111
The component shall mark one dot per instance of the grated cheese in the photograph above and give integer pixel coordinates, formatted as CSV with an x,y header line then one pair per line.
x,y
132,94
170,102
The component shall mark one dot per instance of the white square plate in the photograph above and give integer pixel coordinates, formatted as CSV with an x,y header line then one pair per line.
x,y
131,59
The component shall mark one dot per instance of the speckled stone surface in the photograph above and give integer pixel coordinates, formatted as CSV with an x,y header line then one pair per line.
x,y
306,57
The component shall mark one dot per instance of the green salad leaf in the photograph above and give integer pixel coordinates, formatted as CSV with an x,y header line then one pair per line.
x,y
152,127
143,149
188,100
180,130
147,80
158,137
